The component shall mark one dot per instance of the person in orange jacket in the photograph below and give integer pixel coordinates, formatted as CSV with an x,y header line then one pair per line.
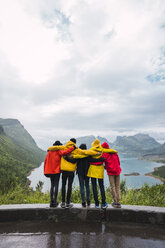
x,y
52,170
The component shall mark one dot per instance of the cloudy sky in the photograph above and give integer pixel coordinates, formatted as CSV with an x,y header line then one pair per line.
x,y
80,67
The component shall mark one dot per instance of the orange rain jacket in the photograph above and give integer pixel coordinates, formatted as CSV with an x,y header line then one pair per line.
x,y
53,161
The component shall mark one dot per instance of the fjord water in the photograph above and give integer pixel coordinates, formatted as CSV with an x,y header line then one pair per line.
x,y
129,164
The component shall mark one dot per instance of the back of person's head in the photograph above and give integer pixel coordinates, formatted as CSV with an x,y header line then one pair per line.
x,y
73,140
57,143
83,147
105,145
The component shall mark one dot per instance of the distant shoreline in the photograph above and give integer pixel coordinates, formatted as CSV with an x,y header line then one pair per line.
x,y
151,159
29,173
156,177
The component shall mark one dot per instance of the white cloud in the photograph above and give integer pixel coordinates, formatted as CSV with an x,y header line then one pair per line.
x,y
81,67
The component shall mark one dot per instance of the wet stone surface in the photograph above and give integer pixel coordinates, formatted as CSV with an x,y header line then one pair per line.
x,y
49,234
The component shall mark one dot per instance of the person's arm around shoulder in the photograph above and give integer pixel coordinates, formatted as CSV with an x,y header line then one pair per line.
x,y
65,152
109,150
70,159
96,161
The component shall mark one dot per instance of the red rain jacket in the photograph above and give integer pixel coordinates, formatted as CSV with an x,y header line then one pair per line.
x,y
112,162
53,160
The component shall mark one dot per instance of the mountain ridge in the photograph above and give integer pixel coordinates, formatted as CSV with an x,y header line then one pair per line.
x,y
19,154
140,145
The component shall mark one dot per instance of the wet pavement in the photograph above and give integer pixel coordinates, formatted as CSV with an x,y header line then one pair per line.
x,y
44,234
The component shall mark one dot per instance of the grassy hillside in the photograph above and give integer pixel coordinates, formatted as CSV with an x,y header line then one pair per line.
x,y
18,155
159,172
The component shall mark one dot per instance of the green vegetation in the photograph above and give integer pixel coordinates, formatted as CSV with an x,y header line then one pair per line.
x,y
15,163
16,159
148,196
159,172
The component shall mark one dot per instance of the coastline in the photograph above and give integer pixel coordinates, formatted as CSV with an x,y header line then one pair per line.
x,y
29,173
156,177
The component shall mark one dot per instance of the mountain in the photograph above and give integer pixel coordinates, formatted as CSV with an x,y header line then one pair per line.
x,y
157,154
19,154
135,145
141,145
102,140
16,131
20,136
88,140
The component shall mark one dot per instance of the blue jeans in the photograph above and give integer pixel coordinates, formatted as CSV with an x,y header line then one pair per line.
x,y
84,181
102,190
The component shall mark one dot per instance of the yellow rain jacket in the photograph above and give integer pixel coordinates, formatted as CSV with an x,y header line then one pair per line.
x,y
67,166
97,171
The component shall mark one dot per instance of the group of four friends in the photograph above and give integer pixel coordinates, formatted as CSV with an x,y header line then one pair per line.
x,y
67,159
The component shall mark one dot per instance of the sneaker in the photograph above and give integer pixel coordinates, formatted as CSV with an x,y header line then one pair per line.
x,y
84,205
118,205
88,203
105,205
97,206
113,204
63,204
69,205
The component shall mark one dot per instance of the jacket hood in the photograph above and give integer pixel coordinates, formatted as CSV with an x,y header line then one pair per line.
x,y
105,145
96,143
70,143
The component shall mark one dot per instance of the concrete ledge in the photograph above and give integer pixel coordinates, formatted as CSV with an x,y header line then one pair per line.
x,y
128,213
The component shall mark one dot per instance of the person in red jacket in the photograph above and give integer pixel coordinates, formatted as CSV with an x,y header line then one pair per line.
x,y
112,166
52,170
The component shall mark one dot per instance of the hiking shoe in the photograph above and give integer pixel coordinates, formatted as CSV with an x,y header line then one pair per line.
x,y
118,205
84,205
69,205
97,206
63,204
105,205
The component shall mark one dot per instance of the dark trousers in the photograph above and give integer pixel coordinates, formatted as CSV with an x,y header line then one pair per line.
x,y
84,183
54,178
102,190
67,175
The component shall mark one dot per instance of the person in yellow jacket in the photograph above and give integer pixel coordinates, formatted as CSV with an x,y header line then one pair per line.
x,y
67,170
96,171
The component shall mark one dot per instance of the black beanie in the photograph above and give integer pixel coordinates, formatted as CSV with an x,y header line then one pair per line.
x,y
57,143
83,146
73,140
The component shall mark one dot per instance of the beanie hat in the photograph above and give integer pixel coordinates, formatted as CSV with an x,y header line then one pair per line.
x,y
73,140
83,146
57,143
